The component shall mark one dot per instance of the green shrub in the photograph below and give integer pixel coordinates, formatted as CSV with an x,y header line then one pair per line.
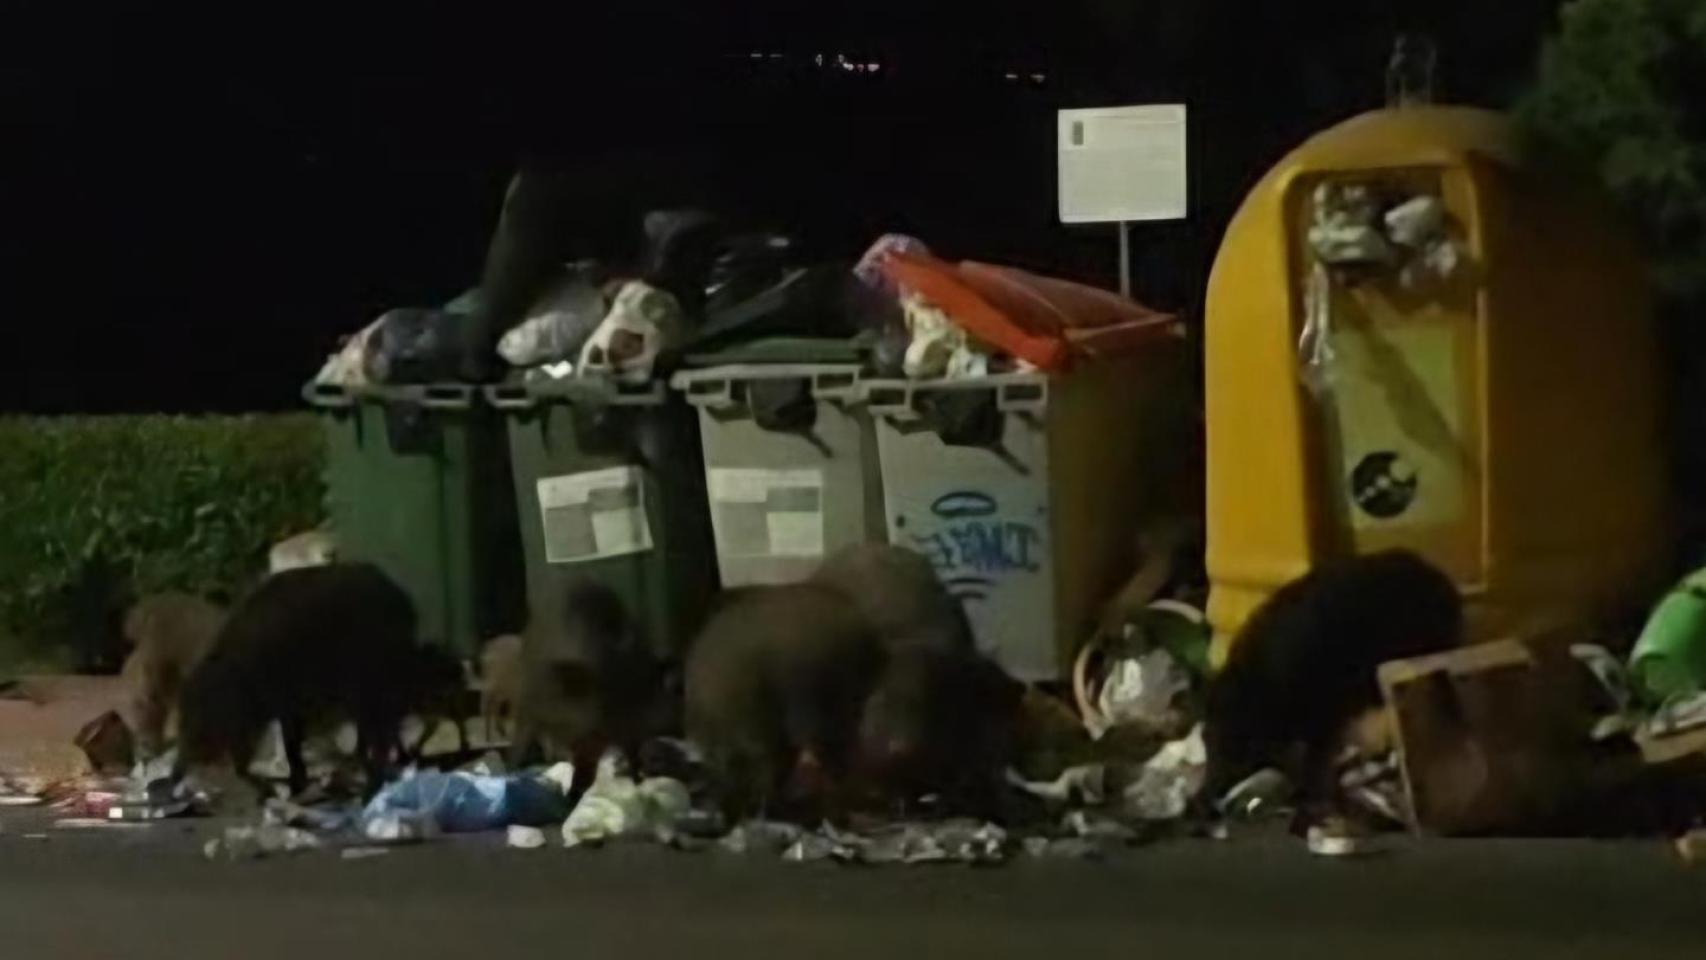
x,y
1619,88
97,510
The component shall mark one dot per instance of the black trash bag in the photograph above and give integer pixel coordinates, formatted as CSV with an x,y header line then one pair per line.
x,y
745,266
806,303
414,345
681,248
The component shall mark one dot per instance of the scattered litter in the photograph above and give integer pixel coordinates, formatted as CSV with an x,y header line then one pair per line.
x,y
764,836
1377,786
1063,848
1169,780
98,823
812,847
1262,794
948,841
93,803
254,843
1098,827
362,853
525,838
1085,784
395,828
321,819
1337,839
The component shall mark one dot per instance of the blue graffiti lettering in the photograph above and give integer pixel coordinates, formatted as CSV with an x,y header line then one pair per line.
x,y
974,544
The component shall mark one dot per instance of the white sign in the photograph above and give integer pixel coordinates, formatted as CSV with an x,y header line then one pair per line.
x,y
593,515
767,513
1123,164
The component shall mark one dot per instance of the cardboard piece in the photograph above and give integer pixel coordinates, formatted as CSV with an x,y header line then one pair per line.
x,y
1492,737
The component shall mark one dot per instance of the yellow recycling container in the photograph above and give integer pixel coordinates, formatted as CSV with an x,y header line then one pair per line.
x,y
1419,337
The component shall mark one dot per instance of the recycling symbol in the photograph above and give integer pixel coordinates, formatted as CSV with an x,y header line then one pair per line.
x,y
1383,484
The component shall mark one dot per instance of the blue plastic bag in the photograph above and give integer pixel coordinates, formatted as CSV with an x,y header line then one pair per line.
x,y
463,802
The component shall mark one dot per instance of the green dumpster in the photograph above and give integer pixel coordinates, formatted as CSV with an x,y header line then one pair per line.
x,y
609,484
417,481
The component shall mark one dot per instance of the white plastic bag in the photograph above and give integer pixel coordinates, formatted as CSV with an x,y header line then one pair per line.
x,y
643,322
558,325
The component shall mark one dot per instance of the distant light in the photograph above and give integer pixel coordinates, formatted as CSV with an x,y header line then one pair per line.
x,y
756,55
775,56
873,67
1039,77
820,59
1012,76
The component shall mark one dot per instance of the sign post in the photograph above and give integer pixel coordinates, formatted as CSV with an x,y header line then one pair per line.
x,y
1123,165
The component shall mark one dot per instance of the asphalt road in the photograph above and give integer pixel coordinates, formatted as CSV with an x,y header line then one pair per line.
x,y
152,895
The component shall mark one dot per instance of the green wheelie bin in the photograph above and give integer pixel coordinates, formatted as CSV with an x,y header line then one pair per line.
x,y
418,483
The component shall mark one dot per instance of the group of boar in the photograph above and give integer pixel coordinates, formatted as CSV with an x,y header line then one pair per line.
x,y
859,688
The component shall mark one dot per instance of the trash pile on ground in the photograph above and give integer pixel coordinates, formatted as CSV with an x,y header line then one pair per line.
x,y
1497,738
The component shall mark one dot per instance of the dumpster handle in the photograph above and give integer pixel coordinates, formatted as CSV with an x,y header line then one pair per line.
x,y
446,396
329,395
836,386
710,394
893,401
1023,397
509,397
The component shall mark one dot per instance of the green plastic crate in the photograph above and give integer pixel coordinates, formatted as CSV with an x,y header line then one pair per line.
x,y
418,483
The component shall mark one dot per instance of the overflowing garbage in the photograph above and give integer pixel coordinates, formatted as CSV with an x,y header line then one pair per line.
x,y
701,286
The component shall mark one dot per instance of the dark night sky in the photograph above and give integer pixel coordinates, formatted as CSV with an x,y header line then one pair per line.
x,y
194,205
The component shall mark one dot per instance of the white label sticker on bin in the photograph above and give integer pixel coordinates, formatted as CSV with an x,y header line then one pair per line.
x,y
593,515
767,513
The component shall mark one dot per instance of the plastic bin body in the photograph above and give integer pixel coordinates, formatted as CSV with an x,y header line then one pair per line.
x,y
1504,424
1036,530
609,485
784,496
417,481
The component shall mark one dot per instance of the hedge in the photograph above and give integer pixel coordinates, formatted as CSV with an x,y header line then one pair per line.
x,y
95,511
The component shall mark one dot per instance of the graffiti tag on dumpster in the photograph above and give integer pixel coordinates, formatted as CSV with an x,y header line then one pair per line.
x,y
972,545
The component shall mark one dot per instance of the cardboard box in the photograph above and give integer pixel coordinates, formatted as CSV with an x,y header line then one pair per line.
x,y
1492,737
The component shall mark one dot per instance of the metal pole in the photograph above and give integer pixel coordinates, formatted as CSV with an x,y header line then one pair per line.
x,y
1125,258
